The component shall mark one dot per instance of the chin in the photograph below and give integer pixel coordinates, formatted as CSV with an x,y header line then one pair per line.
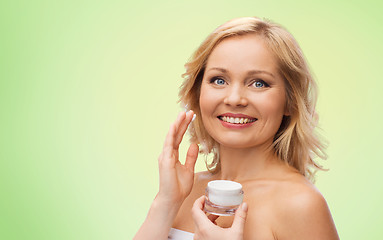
x,y
236,144
241,142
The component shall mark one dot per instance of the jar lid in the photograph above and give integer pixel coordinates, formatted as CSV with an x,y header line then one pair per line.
x,y
224,187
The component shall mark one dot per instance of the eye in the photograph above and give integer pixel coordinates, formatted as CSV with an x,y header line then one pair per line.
x,y
260,84
218,81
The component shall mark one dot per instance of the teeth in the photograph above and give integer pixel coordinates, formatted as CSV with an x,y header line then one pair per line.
x,y
237,120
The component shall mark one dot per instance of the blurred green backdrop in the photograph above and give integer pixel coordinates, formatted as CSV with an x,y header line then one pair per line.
x,y
89,88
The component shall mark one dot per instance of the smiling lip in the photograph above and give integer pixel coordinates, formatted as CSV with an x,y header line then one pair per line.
x,y
236,121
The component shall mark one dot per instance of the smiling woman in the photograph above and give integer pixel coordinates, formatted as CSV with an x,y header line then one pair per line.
x,y
296,141
254,99
249,89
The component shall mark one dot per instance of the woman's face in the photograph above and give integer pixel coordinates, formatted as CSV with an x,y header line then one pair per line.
x,y
242,97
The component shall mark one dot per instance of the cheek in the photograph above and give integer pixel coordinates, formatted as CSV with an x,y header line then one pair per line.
x,y
207,100
202,101
274,105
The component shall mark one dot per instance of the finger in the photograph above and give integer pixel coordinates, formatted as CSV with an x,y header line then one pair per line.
x,y
212,218
169,141
183,127
198,214
174,127
160,158
180,118
191,156
240,218
172,143
167,148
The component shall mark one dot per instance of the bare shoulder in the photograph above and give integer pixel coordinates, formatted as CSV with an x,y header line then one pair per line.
x,y
302,212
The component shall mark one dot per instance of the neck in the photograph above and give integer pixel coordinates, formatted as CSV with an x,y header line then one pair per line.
x,y
238,164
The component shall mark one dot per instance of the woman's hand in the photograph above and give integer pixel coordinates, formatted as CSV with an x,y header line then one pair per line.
x,y
205,227
176,180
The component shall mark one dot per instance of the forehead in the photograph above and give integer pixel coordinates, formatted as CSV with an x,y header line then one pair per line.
x,y
242,53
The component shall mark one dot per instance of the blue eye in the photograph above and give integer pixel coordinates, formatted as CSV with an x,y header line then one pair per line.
x,y
260,84
219,81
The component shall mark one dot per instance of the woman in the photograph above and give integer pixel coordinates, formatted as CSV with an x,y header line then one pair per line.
x,y
254,99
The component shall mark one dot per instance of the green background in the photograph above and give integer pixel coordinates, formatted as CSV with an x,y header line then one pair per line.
x,y
88,90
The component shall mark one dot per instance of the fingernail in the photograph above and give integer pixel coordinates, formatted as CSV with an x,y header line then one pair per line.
x,y
194,116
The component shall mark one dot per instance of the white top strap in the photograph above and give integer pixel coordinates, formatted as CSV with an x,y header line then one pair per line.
x,y
176,234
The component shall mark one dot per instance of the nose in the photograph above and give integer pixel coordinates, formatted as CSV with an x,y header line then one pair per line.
x,y
236,96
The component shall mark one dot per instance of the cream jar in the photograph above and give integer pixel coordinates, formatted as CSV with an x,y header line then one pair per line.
x,y
223,197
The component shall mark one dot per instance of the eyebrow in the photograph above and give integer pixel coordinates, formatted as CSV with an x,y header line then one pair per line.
x,y
249,72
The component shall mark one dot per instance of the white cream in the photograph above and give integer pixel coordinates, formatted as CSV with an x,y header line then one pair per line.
x,y
224,193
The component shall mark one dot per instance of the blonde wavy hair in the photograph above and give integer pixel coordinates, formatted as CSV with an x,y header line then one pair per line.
x,y
296,141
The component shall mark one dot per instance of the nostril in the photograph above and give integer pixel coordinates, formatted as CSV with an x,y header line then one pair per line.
x,y
236,101
243,101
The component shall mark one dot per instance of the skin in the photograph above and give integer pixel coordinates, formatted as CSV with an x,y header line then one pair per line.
x,y
282,204
279,203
